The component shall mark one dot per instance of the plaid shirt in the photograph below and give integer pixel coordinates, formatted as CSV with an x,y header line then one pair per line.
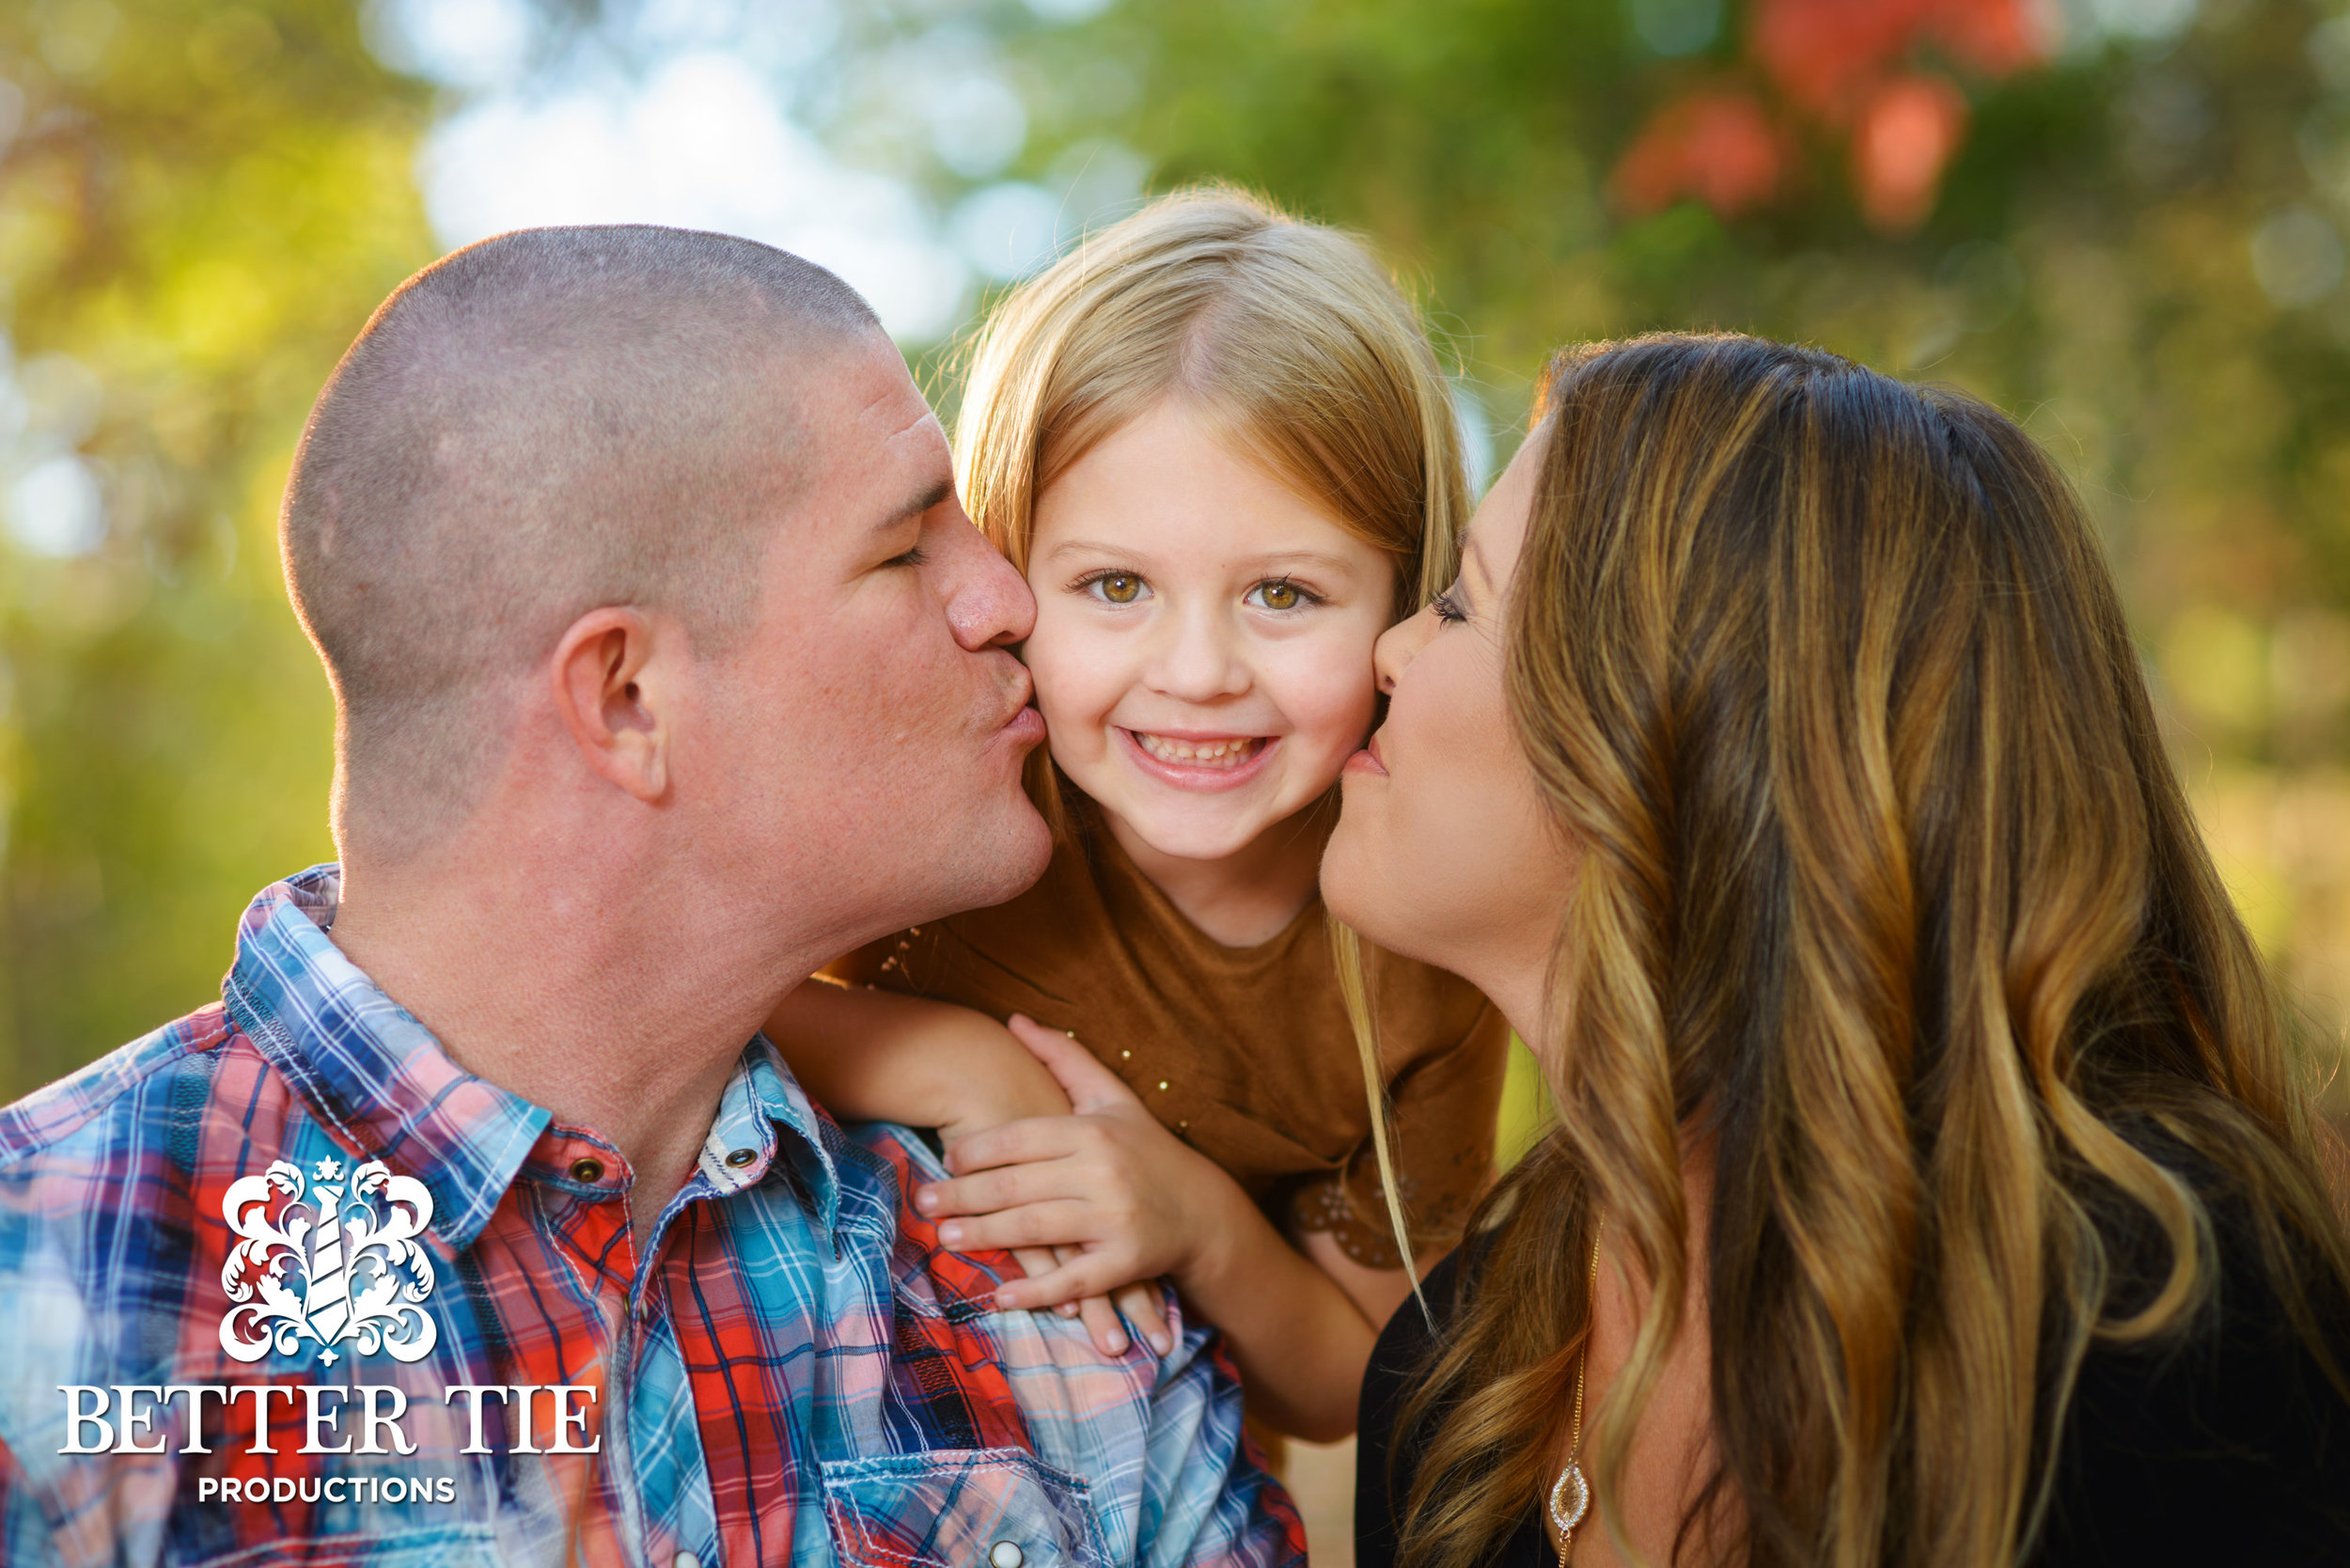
x,y
797,1372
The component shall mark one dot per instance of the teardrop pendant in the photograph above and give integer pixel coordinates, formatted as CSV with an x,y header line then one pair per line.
x,y
1569,1500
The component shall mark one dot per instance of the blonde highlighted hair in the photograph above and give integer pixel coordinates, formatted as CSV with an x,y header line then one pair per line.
x,y
1889,903
1298,351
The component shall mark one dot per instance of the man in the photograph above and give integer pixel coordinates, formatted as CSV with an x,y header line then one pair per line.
x,y
467,1227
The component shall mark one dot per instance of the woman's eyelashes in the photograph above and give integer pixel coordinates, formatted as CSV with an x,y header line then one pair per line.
x,y
1447,606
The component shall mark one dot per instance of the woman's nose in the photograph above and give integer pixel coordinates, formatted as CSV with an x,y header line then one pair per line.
x,y
1398,645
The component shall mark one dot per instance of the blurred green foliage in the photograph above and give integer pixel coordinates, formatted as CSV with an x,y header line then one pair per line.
x,y
2138,250
198,206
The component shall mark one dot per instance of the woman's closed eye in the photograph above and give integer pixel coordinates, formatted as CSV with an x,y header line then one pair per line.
x,y
1280,594
1447,606
1113,588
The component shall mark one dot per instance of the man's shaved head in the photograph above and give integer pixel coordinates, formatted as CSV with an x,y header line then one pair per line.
x,y
545,423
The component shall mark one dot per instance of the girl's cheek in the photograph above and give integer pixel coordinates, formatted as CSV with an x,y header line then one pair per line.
x,y
1074,683
1332,712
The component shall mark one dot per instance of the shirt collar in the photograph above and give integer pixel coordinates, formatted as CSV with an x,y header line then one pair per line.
x,y
375,1075
742,1147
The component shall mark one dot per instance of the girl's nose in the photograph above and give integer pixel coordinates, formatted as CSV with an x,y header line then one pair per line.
x,y
1197,661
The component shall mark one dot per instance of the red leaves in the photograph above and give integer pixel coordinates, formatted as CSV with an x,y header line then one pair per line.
x,y
1904,140
1720,147
1819,53
1839,69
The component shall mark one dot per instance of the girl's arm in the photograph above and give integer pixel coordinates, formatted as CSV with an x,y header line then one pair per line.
x,y
1136,1201
866,1055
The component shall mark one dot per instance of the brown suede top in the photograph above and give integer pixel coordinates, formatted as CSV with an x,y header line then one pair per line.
x,y
1245,1053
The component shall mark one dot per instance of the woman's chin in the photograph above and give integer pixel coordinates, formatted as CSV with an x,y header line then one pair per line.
x,y
1348,892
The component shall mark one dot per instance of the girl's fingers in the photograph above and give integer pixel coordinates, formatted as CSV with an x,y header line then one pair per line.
x,y
1038,1138
1037,1262
1089,1085
1089,1275
1144,1304
992,1190
1064,1221
1101,1319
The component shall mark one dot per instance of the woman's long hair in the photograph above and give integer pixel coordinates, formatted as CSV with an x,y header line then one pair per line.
x,y
1887,897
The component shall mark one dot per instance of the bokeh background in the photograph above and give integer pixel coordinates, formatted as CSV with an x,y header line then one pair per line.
x,y
2122,220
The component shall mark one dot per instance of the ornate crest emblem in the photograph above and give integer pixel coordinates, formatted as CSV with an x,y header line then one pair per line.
x,y
335,1262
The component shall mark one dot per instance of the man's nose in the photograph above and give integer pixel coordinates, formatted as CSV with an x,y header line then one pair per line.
x,y
988,602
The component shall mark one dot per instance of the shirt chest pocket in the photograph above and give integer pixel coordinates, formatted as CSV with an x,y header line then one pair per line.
x,y
967,1508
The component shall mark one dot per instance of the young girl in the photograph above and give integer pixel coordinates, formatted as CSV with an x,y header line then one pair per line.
x,y
1218,445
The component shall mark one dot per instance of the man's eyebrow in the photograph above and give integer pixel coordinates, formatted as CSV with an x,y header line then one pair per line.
x,y
917,505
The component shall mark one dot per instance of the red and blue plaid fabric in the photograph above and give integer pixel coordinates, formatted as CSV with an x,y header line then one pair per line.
x,y
797,1372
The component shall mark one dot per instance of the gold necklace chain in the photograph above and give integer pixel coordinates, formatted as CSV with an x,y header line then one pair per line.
x,y
1571,1494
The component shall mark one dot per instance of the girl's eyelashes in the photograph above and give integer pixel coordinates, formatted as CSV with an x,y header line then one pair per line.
x,y
1280,593
1113,587
1448,609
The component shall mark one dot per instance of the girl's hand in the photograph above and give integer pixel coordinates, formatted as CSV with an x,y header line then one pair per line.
x,y
1012,1094
1012,1087
1140,1301
1106,1181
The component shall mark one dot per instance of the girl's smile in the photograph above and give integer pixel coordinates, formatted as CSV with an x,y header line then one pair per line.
x,y
1200,761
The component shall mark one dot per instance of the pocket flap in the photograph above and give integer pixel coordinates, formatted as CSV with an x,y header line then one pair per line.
x,y
975,1508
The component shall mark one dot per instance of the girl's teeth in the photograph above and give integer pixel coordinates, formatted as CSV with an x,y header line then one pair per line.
x,y
1215,753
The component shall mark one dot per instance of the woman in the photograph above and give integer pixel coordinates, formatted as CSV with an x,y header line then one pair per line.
x,y
1934,1184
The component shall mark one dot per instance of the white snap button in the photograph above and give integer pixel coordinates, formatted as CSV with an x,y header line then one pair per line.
x,y
1006,1554
686,1560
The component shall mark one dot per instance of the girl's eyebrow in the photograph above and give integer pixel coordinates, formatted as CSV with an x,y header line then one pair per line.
x,y
1272,558
1091,547
1297,557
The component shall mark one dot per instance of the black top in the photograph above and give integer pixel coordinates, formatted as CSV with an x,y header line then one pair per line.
x,y
2227,1450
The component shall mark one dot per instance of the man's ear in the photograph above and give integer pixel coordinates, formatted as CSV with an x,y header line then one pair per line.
x,y
613,675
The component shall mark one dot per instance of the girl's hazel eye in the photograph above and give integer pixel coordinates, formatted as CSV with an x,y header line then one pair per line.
x,y
1279,596
1119,587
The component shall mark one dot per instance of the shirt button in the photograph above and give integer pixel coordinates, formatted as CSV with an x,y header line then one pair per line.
x,y
686,1560
585,1170
1006,1554
741,1157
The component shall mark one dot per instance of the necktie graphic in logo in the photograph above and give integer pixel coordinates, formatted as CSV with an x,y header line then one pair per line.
x,y
339,1263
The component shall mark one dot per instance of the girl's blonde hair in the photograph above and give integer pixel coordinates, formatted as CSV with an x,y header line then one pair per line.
x,y
1285,335
1891,902
1297,349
